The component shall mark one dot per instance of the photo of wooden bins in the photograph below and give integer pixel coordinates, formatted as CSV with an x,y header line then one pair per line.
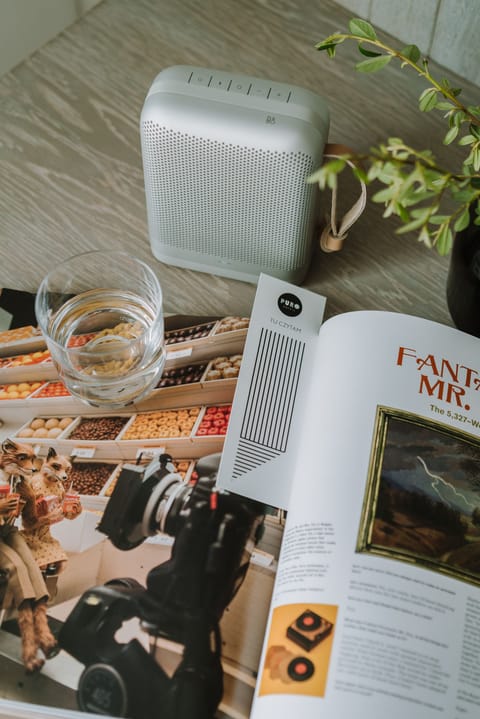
x,y
186,415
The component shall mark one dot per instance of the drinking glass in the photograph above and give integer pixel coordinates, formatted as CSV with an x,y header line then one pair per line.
x,y
102,318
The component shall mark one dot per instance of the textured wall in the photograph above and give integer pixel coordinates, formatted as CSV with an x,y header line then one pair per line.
x,y
446,30
26,25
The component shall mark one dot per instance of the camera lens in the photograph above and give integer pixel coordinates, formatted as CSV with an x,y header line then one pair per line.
x,y
140,502
165,504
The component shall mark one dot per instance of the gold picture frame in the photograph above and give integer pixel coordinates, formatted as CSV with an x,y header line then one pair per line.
x,y
423,510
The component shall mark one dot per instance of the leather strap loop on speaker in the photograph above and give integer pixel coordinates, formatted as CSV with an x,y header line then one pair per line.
x,y
334,234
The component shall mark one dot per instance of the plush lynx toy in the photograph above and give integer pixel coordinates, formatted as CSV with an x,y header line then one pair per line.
x,y
25,580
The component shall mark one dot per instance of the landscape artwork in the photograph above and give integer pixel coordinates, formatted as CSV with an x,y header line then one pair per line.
x,y
422,503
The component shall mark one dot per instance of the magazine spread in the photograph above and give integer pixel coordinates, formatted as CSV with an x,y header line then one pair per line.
x,y
320,562
376,603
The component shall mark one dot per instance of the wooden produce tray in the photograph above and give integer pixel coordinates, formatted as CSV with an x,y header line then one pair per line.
x,y
202,349
228,343
98,499
28,373
119,448
203,392
185,395
20,341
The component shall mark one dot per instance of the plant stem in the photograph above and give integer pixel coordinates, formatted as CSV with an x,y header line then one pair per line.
x,y
423,72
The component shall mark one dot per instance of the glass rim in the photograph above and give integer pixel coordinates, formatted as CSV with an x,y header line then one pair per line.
x,y
108,255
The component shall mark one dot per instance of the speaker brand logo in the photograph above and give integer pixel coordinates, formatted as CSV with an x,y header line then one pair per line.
x,y
289,304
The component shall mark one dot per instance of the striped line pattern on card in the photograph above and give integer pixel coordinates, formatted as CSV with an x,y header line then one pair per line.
x,y
270,401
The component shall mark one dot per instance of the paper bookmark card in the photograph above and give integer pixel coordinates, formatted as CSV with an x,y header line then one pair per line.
x,y
265,423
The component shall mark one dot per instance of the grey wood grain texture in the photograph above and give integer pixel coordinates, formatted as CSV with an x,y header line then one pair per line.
x,y
411,21
71,171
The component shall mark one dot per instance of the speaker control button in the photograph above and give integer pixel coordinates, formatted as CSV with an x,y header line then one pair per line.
x,y
200,78
220,83
240,86
279,95
259,90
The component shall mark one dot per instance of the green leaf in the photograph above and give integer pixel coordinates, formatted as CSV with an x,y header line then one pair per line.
x,y
319,176
463,221
384,195
433,180
411,52
444,240
450,136
387,174
465,195
475,131
476,159
403,214
474,110
360,173
422,213
424,237
444,105
389,209
438,219
326,176
426,155
458,117
373,64
328,44
335,165
368,53
362,28
414,224
332,181
428,99
466,140
418,196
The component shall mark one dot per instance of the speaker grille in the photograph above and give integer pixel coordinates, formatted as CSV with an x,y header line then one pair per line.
x,y
226,200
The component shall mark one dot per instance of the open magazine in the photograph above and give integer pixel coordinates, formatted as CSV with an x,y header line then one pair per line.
x,y
357,443
376,603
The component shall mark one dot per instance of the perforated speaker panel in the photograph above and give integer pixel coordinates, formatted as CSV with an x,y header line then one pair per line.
x,y
226,200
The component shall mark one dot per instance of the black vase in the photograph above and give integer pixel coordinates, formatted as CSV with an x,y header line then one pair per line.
x,y
463,282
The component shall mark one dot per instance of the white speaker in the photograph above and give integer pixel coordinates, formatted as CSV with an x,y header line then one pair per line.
x,y
226,158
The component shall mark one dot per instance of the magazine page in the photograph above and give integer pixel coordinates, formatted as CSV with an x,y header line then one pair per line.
x,y
148,589
376,604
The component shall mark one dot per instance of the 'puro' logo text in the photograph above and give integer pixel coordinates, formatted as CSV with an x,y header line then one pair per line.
x,y
289,304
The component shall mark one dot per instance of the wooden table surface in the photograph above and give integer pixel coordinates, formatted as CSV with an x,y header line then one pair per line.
x,y
71,175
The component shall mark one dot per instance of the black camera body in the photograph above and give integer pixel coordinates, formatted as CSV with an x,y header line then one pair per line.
x,y
183,601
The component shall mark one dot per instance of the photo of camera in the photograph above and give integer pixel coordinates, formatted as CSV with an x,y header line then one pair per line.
x,y
183,601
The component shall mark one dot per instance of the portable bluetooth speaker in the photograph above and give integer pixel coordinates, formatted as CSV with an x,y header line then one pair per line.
x,y
226,158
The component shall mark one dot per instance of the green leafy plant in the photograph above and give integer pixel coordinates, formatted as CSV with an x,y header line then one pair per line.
x,y
433,201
